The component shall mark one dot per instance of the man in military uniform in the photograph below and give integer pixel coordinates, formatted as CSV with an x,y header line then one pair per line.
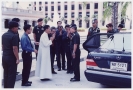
x,y
75,51
66,38
37,32
94,29
10,57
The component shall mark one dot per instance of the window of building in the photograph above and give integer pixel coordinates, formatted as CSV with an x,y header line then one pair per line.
x,y
40,3
80,6
88,24
96,6
46,15
88,6
72,7
52,15
35,8
46,8
72,15
58,2
52,2
80,23
96,13
40,8
72,22
80,14
65,2
34,3
46,2
65,15
52,8
58,8
65,21
88,14
65,7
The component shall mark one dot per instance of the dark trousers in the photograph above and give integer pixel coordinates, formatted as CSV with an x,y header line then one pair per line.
x,y
10,68
69,60
27,62
52,54
36,47
76,64
62,53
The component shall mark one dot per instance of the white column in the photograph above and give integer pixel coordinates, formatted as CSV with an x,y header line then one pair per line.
x,y
14,5
119,13
100,13
76,13
62,9
21,24
43,9
49,9
69,12
83,17
37,6
128,13
3,23
91,12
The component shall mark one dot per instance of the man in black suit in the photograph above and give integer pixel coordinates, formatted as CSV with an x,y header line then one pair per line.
x,y
60,47
66,38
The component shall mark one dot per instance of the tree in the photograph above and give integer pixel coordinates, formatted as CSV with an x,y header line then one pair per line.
x,y
46,19
86,19
111,10
63,19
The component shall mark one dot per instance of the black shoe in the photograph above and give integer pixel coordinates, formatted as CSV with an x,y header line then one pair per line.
x,y
26,84
64,69
59,69
68,72
54,72
17,73
44,79
73,80
71,72
30,82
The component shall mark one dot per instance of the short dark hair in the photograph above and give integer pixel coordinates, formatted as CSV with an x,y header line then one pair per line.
x,y
74,26
46,27
53,28
60,27
59,21
109,25
16,20
67,25
12,24
26,27
39,20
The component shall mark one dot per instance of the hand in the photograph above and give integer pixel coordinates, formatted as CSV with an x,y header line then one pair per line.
x,y
73,55
17,61
36,43
35,51
51,38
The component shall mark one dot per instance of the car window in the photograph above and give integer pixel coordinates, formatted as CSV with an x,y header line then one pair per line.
x,y
117,42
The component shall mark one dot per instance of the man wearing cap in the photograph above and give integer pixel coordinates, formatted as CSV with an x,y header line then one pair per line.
x,y
75,51
110,29
37,32
94,29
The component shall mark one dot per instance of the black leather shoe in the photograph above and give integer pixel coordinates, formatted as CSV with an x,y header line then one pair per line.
x,y
30,82
73,80
59,69
26,84
68,72
54,72
64,69
71,72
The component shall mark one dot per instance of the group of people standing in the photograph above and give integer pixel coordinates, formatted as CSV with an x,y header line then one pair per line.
x,y
48,43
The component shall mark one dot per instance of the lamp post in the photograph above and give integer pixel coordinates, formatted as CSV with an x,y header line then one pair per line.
x,y
17,4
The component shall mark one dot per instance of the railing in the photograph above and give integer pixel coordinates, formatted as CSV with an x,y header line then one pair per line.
x,y
15,10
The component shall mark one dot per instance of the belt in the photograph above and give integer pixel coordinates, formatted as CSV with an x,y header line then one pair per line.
x,y
26,51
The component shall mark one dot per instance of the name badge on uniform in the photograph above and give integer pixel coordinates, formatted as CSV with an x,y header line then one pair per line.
x,y
42,29
38,31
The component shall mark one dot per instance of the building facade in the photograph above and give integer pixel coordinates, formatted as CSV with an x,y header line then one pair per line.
x,y
69,12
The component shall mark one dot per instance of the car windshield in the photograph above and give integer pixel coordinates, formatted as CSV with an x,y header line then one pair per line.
x,y
118,42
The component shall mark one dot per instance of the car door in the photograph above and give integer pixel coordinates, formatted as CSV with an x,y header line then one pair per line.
x,y
95,41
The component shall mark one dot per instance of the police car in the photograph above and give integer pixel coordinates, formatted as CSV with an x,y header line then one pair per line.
x,y
109,59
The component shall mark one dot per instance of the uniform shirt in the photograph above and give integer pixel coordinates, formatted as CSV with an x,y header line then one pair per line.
x,y
9,39
92,31
75,40
26,43
110,31
38,31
